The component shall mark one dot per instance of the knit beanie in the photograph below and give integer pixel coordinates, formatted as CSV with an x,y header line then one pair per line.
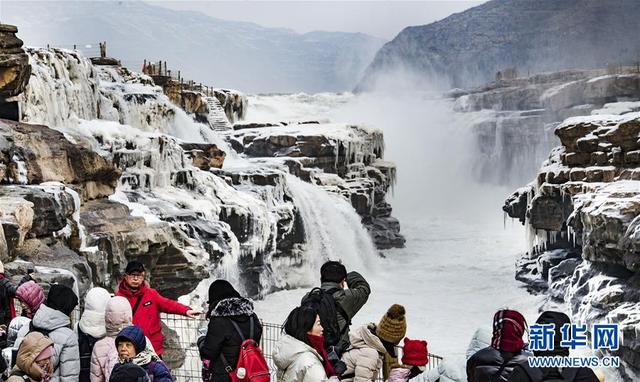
x,y
415,353
509,327
134,335
393,326
128,372
558,319
30,294
62,298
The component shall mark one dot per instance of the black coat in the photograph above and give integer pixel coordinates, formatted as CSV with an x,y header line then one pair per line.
x,y
488,362
223,338
85,346
523,373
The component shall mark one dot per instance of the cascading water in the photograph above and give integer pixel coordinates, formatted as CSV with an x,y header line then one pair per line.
x,y
333,231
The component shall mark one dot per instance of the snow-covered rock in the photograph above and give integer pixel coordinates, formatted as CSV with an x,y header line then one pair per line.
x,y
582,214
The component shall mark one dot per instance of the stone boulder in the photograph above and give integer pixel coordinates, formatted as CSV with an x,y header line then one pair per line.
x,y
204,156
15,70
35,154
16,219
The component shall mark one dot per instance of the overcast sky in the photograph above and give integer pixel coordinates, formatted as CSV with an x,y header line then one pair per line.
x,y
379,18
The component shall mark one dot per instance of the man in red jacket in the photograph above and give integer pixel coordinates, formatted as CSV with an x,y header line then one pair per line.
x,y
147,304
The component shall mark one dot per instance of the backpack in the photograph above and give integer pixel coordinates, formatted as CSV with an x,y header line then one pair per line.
x,y
550,374
251,363
328,311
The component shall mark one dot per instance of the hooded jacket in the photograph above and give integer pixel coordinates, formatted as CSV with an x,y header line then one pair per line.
x,y
91,327
32,346
364,358
147,315
297,362
524,373
32,295
222,337
66,357
104,355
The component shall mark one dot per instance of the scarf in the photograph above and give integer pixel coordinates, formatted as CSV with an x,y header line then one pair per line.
x,y
142,359
317,342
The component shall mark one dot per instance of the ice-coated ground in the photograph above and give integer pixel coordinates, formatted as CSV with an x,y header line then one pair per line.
x,y
458,265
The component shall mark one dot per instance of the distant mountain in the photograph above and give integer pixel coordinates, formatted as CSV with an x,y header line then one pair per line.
x,y
468,48
222,53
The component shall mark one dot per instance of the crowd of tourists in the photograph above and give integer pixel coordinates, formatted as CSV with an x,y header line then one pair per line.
x,y
119,338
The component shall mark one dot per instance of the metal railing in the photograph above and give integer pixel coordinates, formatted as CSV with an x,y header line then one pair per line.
x,y
182,356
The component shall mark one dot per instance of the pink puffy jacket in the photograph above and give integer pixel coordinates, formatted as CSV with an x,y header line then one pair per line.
x,y
105,355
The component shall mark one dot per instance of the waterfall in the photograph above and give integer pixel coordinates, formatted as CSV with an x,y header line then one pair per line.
x,y
333,230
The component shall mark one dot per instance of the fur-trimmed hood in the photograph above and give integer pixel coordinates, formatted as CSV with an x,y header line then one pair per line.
x,y
235,306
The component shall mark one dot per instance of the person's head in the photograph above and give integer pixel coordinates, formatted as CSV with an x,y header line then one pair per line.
x,y
31,296
393,326
558,319
415,353
220,290
117,315
92,321
334,272
34,356
509,327
128,372
302,322
62,298
134,274
130,341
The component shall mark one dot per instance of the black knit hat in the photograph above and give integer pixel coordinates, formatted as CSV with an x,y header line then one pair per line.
x,y
134,266
61,298
333,271
128,372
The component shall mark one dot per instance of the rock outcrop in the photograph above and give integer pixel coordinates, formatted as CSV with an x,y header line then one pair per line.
x,y
14,63
343,159
582,213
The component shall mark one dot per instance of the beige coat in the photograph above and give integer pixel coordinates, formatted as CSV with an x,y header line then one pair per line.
x,y
32,345
364,357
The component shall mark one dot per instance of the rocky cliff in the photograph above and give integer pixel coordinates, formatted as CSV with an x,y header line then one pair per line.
x,y
582,213
104,168
470,47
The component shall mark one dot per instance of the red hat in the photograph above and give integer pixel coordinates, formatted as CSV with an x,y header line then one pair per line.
x,y
415,352
509,327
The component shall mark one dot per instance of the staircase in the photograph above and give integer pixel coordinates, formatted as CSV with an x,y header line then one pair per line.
x,y
217,118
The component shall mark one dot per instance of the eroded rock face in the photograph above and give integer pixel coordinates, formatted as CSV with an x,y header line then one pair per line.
x,y
14,63
35,154
343,159
583,215
115,238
